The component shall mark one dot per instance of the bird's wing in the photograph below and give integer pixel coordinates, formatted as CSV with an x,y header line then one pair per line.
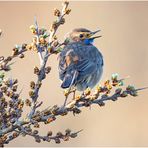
x,y
77,72
67,59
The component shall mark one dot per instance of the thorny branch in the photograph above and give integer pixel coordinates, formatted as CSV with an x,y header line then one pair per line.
x,y
45,43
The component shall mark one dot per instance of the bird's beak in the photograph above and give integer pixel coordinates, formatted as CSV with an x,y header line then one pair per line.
x,y
93,33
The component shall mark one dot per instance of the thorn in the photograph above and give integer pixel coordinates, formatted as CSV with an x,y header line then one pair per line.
x,y
127,77
11,63
138,89
79,131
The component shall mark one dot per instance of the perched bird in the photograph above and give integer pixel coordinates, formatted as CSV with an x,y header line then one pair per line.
x,y
80,62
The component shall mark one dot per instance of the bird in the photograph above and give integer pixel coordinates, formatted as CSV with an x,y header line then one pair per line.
x,y
80,62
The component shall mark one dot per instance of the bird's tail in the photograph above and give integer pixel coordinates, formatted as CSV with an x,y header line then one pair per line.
x,y
69,79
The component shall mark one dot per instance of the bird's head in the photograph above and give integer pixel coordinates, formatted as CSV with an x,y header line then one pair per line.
x,y
82,35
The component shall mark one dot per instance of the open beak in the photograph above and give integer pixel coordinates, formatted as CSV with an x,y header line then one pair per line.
x,y
93,33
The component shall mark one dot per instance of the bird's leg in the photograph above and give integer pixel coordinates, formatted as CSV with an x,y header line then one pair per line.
x,y
74,93
70,90
83,93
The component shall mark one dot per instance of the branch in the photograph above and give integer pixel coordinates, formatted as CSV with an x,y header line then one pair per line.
x,y
41,44
99,97
18,51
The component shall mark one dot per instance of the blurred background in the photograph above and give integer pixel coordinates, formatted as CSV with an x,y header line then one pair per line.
x,y
124,44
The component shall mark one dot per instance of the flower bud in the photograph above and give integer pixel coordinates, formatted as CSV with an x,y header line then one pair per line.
x,y
124,94
36,125
67,11
57,140
118,91
73,135
59,134
32,84
49,133
65,138
62,21
87,91
31,94
57,12
35,132
47,69
21,56
36,70
67,131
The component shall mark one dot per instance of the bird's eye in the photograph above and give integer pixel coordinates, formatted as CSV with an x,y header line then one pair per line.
x,y
81,36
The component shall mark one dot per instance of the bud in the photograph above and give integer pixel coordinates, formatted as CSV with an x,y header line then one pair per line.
x,y
31,94
59,134
49,133
47,69
99,89
76,110
15,51
36,70
101,104
33,29
14,88
42,31
50,120
121,83
87,91
65,138
15,135
78,97
35,132
38,140
57,12
55,43
42,40
130,88
66,93
34,40
73,135
67,131
67,11
124,94
50,49
114,76
57,140
65,3
29,47
118,91
134,93
21,56
24,46
36,125
38,85
32,84
62,21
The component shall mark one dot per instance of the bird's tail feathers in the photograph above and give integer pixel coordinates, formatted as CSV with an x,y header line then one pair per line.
x,y
69,79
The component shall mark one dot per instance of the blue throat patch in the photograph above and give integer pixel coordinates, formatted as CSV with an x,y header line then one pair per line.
x,y
88,41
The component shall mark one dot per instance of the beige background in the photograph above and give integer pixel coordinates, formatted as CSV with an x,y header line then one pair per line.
x,y
124,45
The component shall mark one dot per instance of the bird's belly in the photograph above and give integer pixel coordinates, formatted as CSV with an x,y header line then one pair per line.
x,y
91,80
